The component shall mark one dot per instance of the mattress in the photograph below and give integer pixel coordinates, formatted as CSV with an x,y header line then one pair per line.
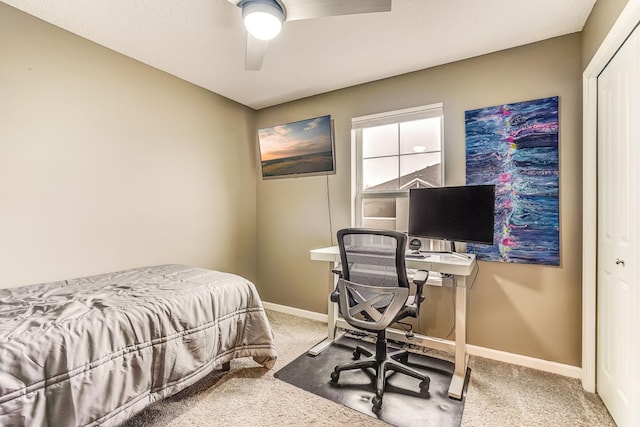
x,y
96,350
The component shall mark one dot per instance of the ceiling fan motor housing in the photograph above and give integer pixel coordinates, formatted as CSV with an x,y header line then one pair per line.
x,y
263,18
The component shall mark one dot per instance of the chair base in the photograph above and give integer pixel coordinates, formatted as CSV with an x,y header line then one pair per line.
x,y
381,363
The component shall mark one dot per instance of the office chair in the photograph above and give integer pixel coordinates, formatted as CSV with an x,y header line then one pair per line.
x,y
373,293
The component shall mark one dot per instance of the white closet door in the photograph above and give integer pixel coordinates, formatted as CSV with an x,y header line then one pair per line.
x,y
618,331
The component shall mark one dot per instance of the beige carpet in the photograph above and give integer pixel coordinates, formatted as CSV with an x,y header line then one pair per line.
x,y
499,394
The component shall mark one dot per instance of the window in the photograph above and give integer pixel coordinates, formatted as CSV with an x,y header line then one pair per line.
x,y
395,152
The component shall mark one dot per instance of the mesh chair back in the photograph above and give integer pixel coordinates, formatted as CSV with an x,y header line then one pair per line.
x,y
373,257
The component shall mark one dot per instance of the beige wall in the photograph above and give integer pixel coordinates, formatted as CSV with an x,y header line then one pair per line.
x,y
602,17
106,163
524,309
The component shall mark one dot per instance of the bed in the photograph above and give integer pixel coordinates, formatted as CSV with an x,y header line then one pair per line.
x,y
96,350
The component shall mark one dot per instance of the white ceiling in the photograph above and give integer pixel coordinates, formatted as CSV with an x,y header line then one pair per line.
x,y
203,41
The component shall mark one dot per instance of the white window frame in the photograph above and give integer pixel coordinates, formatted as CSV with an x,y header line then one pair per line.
x,y
379,119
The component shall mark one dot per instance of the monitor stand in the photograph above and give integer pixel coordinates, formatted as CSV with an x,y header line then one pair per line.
x,y
451,251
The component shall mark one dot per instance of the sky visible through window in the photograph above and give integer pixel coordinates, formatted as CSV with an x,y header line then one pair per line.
x,y
398,149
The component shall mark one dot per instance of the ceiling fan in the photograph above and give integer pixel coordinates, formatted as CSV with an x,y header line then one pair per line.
x,y
264,18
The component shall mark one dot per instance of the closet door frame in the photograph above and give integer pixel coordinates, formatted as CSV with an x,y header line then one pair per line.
x,y
623,27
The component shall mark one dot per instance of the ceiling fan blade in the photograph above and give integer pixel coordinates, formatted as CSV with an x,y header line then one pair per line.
x,y
307,9
256,49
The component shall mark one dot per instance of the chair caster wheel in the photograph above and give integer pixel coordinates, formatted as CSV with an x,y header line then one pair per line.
x,y
356,354
424,385
377,404
335,376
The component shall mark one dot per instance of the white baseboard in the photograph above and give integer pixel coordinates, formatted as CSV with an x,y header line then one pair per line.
x,y
526,361
306,314
473,350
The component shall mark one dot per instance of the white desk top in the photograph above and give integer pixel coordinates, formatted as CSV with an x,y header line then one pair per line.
x,y
440,262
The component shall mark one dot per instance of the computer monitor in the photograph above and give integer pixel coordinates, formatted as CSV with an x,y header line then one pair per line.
x,y
456,214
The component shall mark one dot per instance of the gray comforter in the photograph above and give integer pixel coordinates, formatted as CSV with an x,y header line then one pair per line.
x,y
96,350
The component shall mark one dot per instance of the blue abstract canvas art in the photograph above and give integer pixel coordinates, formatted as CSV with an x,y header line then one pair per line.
x,y
515,147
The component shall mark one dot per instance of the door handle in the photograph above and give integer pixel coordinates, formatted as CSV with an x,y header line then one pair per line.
x,y
619,261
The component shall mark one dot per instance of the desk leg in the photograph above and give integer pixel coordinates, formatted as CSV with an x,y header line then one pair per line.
x,y
457,381
332,318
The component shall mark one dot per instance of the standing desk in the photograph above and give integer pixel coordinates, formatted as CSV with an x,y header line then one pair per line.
x,y
457,272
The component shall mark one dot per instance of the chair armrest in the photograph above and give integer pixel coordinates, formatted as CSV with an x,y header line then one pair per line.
x,y
335,295
420,278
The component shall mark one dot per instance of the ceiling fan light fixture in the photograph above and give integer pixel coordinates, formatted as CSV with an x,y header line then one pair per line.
x,y
262,19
